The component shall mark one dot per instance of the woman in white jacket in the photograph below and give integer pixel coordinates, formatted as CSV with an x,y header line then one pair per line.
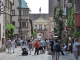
x,y
13,45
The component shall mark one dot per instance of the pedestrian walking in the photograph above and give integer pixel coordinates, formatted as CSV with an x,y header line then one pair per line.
x,y
43,45
23,42
36,45
13,45
9,45
59,41
47,43
52,50
30,46
75,48
16,43
57,49
40,47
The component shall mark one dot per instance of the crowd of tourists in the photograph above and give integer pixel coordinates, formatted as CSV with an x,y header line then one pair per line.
x,y
57,47
34,44
40,46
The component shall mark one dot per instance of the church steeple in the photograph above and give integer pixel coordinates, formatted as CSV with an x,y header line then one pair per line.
x,y
40,10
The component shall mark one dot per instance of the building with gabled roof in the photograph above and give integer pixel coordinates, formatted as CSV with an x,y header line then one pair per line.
x,y
5,18
20,19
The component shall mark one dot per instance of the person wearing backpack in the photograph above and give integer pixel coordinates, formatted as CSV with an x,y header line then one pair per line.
x,y
30,46
57,49
52,50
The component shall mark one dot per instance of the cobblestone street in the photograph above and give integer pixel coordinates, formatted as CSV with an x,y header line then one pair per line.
x,y
17,56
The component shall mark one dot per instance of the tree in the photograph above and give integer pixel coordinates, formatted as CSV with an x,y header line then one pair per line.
x,y
10,29
33,33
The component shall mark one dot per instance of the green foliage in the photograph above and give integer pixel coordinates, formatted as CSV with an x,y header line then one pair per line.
x,y
58,15
76,33
66,40
10,29
10,26
33,33
70,22
58,32
70,17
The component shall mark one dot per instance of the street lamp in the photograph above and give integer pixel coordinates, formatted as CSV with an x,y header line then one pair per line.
x,y
2,8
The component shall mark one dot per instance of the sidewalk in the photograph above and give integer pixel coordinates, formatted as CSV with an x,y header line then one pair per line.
x,y
17,56
7,55
69,56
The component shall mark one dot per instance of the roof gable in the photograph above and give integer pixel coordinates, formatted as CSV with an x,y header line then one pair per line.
x,y
40,20
36,16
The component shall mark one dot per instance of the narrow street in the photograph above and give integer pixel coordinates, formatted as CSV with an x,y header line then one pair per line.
x,y
17,56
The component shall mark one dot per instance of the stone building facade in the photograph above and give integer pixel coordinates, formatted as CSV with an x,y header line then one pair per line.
x,y
52,5
5,17
20,19
77,13
42,24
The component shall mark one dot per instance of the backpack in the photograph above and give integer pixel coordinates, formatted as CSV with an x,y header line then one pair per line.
x,y
30,45
58,48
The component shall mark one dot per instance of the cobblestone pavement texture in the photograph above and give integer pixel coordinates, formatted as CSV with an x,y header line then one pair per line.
x,y
17,56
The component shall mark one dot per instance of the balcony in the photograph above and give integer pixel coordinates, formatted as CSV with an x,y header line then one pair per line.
x,y
22,17
24,29
40,29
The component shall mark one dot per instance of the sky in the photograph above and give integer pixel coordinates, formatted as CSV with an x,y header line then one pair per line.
x,y
35,5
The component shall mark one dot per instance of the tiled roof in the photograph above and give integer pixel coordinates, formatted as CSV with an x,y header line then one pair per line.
x,y
22,4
